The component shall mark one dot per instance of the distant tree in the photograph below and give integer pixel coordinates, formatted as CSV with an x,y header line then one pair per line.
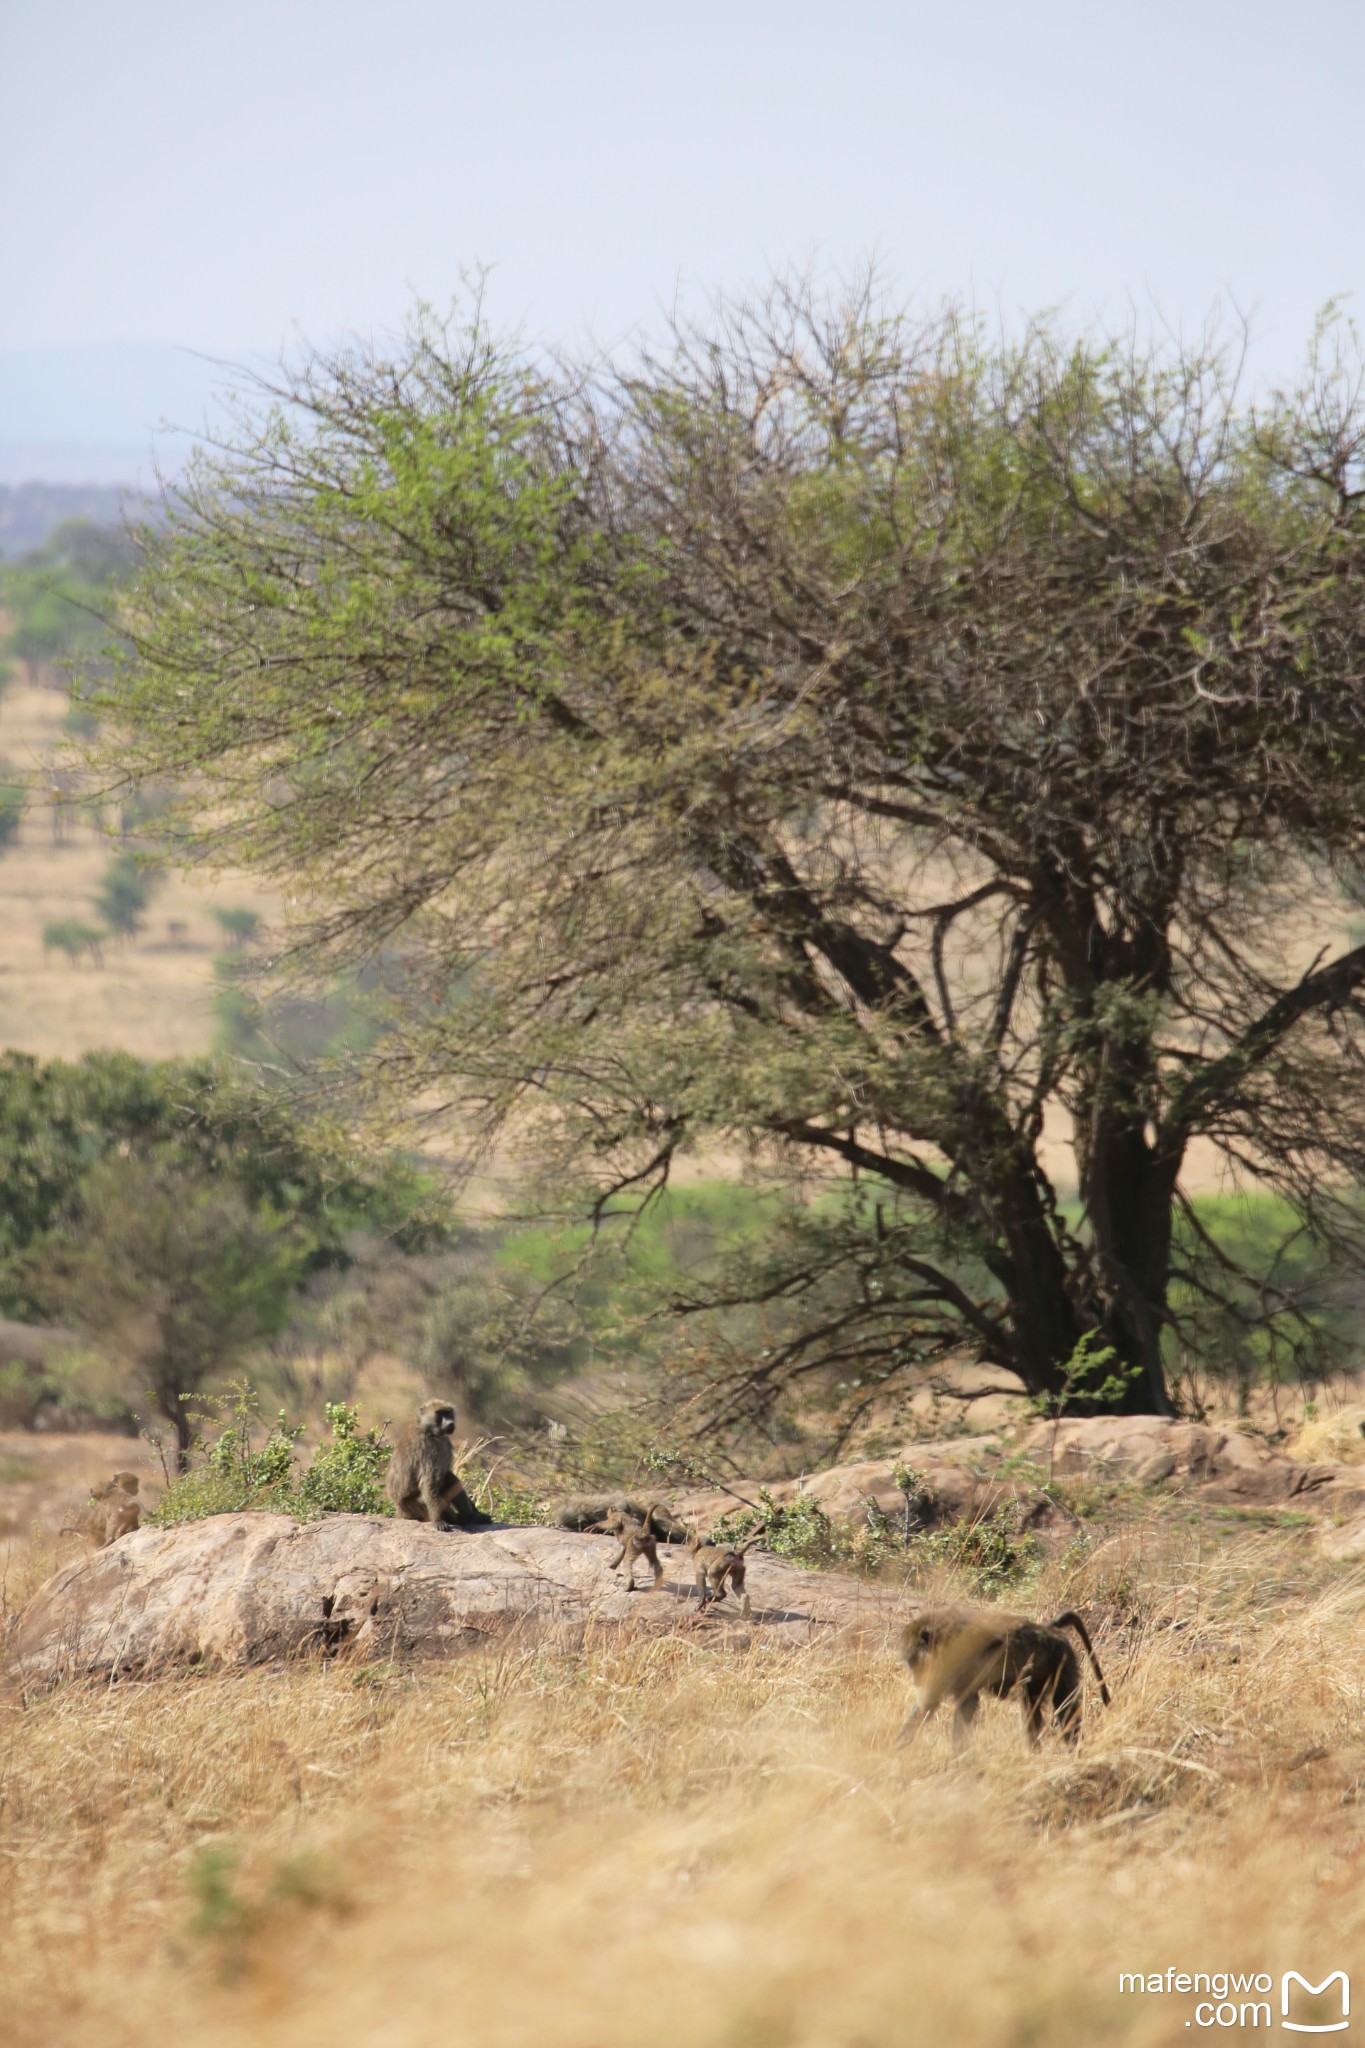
x,y
59,1119
124,894
238,925
75,938
839,737
58,596
13,804
173,1272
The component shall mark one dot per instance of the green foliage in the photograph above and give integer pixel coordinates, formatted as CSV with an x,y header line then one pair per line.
x,y
236,1468
59,1119
174,1272
228,1914
589,698
59,596
283,1030
124,894
992,1551
1086,1381
346,1474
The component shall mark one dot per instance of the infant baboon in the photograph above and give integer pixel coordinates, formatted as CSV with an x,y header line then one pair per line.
x,y
114,1511
960,1652
718,1565
422,1481
636,1540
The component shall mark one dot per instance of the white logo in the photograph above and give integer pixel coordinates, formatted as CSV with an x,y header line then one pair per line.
x,y
1315,1991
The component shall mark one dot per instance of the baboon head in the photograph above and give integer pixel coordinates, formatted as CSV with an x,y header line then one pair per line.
x,y
920,1637
436,1418
127,1482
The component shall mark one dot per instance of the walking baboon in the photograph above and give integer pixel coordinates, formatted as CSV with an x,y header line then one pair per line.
x,y
114,1511
718,1565
960,1652
422,1481
636,1540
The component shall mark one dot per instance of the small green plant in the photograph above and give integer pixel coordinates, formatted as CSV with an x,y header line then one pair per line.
x,y
506,1499
238,1469
992,1550
226,1919
799,1530
346,1474
1085,1376
914,1489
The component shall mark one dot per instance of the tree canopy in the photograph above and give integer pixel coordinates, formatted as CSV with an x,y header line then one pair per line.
x,y
61,1120
846,736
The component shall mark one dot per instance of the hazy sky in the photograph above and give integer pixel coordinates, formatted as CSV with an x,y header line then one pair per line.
x,y
215,177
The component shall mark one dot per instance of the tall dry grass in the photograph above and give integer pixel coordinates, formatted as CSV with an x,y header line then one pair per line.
x,y
718,1849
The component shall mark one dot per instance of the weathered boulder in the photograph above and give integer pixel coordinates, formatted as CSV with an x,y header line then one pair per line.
x,y
955,1480
251,1588
1222,1464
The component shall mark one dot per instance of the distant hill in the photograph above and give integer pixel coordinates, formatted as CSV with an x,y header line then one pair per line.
x,y
30,512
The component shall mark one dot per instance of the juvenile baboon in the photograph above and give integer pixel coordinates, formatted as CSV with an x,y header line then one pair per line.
x,y
422,1481
718,1565
114,1511
636,1540
960,1652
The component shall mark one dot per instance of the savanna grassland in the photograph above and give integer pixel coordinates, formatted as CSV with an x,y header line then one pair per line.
x,y
153,995
664,1838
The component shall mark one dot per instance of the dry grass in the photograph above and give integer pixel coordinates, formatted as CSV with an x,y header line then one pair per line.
x,y
1336,1438
656,1838
153,996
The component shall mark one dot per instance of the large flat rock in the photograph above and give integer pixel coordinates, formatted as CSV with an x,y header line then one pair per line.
x,y
251,1588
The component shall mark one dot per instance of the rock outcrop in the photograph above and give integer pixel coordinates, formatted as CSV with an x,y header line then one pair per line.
x,y
967,1477
252,1588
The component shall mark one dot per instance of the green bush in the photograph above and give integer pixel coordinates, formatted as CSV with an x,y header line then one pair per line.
x,y
346,1474
230,1472
993,1550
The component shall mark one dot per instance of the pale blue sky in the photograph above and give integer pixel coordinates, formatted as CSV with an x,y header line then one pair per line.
x,y
181,176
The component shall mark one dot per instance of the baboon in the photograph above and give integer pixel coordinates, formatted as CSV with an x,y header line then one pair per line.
x,y
422,1481
718,1565
636,1540
591,1511
114,1511
960,1652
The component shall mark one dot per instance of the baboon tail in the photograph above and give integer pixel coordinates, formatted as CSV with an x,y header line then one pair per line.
x,y
1073,1620
750,1541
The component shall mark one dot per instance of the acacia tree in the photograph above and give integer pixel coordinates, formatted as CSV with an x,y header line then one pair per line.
x,y
932,759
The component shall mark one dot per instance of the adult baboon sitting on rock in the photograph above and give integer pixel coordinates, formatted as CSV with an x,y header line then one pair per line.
x,y
422,1481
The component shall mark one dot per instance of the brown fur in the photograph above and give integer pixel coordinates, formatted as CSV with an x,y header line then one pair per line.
x,y
114,1511
422,1481
593,1511
636,1539
718,1566
958,1653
